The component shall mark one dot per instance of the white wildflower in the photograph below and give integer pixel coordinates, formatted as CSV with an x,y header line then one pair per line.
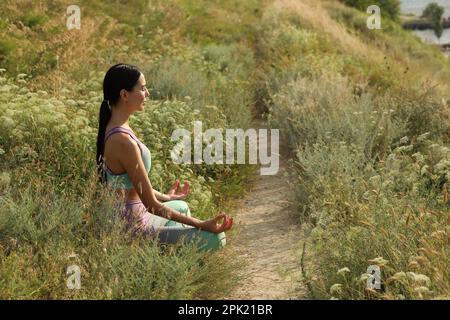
x,y
379,261
404,140
71,102
399,276
343,271
423,137
424,170
404,148
375,180
422,290
419,278
7,122
364,277
336,288
201,179
5,179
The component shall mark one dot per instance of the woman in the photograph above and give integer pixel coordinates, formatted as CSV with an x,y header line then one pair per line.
x,y
124,162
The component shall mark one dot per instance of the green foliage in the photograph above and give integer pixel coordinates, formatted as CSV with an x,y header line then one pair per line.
x,y
363,212
214,76
404,56
33,19
3,24
41,235
6,47
209,22
434,12
363,184
391,8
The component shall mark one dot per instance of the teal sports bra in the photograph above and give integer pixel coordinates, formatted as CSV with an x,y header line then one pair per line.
x,y
123,181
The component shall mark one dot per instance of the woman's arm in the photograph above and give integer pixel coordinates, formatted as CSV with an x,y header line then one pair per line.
x,y
133,164
161,196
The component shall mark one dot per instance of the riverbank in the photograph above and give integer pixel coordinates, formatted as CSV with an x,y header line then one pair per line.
x,y
423,28
418,23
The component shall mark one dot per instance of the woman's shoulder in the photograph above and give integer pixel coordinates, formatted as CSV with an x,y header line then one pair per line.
x,y
122,139
114,128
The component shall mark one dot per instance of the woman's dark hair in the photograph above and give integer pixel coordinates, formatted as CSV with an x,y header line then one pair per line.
x,y
120,76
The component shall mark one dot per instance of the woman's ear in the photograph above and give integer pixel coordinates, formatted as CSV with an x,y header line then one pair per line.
x,y
124,94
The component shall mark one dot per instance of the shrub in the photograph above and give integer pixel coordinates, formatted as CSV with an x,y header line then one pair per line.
x,y
33,19
390,7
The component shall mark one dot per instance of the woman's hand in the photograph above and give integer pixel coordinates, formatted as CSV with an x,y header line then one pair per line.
x,y
175,192
218,224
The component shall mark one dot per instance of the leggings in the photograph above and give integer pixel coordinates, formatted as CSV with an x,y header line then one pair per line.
x,y
168,231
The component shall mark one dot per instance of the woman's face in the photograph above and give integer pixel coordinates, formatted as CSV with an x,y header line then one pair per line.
x,y
137,96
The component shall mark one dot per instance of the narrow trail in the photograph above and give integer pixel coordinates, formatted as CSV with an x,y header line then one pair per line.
x,y
268,239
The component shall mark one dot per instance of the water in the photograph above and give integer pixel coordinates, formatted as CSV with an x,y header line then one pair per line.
x,y
428,36
416,7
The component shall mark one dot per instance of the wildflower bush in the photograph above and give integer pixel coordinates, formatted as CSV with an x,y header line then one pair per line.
x,y
212,75
42,234
393,217
390,7
369,191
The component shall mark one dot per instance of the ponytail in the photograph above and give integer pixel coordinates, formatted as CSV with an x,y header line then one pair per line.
x,y
103,119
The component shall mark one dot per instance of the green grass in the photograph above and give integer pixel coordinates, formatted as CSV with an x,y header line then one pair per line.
x,y
33,19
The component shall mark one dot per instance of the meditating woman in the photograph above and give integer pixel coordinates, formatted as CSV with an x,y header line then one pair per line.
x,y
124,162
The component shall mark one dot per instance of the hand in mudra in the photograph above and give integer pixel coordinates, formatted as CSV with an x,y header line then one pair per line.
x,y
176,193
220,223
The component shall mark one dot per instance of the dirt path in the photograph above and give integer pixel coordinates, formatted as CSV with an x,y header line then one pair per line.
x,y
268,239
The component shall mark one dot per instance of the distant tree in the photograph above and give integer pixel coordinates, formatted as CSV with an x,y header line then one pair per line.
x,y
434,12
390,8
438,29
